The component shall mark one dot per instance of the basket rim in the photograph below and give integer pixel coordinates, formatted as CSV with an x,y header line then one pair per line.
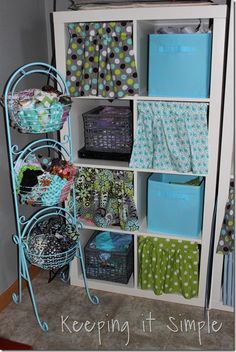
x,y
101,107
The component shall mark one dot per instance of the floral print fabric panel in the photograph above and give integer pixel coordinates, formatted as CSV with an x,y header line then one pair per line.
x,y
226,240
105,197
168,266
171,136
100,60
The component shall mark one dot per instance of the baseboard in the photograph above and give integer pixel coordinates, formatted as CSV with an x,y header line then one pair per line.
x,y
5,297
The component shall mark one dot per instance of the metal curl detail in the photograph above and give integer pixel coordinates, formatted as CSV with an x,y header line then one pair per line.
x,y
66,139
22,220
15,149
16,239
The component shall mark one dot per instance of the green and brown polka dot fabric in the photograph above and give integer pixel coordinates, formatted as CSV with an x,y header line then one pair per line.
x,y
168,266
100,60
226,240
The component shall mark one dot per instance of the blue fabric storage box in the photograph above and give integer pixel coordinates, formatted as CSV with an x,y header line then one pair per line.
x,y
174,208
179,65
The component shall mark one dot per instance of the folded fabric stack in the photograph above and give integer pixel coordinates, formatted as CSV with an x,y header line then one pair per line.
x,y
37,110
47,181
109,241
105,197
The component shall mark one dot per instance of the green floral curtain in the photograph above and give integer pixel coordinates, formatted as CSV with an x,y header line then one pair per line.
x,y
100,60
105,197
168,266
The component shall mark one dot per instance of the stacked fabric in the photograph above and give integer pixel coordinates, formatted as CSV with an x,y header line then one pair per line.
x,y
105,197
37,111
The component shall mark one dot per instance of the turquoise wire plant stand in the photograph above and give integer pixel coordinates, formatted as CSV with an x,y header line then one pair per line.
x,y
24,227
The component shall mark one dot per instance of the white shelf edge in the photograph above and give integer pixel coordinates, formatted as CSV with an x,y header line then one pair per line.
x,y
110,229
147,98
103,284
138,292
141,232
102,166
158,171
99,165
183,99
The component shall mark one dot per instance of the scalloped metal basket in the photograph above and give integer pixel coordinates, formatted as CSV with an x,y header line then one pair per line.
x,y
50,261
50,238
37,120
54,194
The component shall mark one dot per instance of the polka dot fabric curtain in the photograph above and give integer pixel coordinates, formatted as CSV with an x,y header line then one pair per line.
x,y
168,266
100,60
171,136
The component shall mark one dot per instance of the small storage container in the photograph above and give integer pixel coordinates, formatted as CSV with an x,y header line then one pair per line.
x,y
179,65
108,130
175,207
111,265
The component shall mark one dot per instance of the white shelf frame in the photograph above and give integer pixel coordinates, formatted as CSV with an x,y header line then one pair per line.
x,y
225,171
160,13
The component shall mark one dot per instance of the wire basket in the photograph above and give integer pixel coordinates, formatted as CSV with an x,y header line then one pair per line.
x,y
36,119
57,192
53,261
51,243
108,129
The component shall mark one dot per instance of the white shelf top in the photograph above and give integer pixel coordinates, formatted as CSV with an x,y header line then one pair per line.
x,y
123,165
141,232
186,11
102,164
148,98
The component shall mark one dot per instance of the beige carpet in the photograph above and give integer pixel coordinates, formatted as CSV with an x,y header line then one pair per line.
x,y
119,322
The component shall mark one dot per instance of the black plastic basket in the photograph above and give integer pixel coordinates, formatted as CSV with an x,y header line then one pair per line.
x,y
113,266
108,129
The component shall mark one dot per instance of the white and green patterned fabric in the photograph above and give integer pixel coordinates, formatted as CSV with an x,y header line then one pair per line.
x,y
100,60
171,136
168,266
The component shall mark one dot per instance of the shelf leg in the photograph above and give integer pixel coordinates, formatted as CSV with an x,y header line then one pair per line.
x,y
93,298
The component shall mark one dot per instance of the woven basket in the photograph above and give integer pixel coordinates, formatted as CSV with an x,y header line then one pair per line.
x,y
113,266
108,129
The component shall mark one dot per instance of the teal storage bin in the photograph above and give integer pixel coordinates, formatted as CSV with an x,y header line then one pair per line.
x,y
179,65
174,208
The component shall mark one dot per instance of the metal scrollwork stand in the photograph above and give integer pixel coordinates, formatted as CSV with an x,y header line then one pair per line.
x,y
23,225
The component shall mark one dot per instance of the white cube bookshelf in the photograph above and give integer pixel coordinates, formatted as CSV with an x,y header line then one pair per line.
x,y
145,21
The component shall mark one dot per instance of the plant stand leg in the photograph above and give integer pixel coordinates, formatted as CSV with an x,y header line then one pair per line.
x,y
24,273
93,298
17,298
